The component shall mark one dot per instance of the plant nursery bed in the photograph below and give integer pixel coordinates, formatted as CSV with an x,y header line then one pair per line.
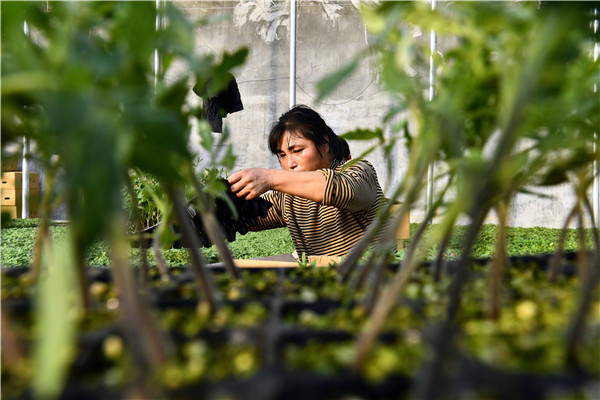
x,y
292,334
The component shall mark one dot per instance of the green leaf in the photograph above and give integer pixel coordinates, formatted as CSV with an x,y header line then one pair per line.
x,y
221,75
228,160
177,39
364,134
354,160
206,136
25,81
173,97
135,28
326,85
373,20
394,79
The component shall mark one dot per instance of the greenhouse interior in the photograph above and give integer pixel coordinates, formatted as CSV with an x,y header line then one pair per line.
x,y
300,199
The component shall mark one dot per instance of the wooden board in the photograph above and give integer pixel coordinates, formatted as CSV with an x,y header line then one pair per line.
x,y
279,261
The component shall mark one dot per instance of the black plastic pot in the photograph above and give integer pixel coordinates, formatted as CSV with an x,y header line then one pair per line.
x,y
270,336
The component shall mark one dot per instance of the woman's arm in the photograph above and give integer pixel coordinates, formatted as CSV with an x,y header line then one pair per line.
x,y
251,183
354,188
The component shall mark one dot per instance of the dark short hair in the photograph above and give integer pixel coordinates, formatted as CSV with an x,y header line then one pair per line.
x,y
304,121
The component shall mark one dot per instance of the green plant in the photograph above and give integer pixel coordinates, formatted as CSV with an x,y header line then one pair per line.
x,y
144,188
79,82
304,263
524,118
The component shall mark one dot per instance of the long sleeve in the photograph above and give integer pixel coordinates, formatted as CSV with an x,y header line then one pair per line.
x,y
352,189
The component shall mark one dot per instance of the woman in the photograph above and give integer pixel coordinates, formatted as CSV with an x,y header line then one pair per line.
x,y
326,204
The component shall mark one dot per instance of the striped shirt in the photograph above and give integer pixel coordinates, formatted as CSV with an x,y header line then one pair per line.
x,y
332,227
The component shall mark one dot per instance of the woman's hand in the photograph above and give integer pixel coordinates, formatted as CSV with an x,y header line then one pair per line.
x,y
250,183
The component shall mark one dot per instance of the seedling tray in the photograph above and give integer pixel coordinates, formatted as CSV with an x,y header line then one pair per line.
x,y
274,324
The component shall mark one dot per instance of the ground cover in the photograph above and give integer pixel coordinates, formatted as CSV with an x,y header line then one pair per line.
x,y
18,237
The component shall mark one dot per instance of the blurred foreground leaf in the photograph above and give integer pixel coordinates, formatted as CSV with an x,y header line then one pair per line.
x,y
56,321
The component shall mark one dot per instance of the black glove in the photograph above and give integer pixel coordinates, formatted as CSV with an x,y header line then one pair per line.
x,y
248,213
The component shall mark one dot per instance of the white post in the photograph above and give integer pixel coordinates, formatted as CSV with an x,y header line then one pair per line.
x,y
25,166
596,167
25,178
292,53
158,25
433,49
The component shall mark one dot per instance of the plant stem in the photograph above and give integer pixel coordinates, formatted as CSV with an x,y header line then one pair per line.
x,y
149,347
381,310
499,261
440,259
582,258
557,256
43,233
218,239
428,386
595,229
139,227
214,231
160,261
350,262
575,328
82,281
422,228
208,289
362,274
353,256
416,239
388,297
376,280
12,353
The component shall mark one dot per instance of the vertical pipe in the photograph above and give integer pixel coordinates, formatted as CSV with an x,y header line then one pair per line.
x,y
158,25
433,49
431,94
292,53
25,182
25,166
596,166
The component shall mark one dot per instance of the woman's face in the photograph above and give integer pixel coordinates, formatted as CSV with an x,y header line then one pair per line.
x,y
296,153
